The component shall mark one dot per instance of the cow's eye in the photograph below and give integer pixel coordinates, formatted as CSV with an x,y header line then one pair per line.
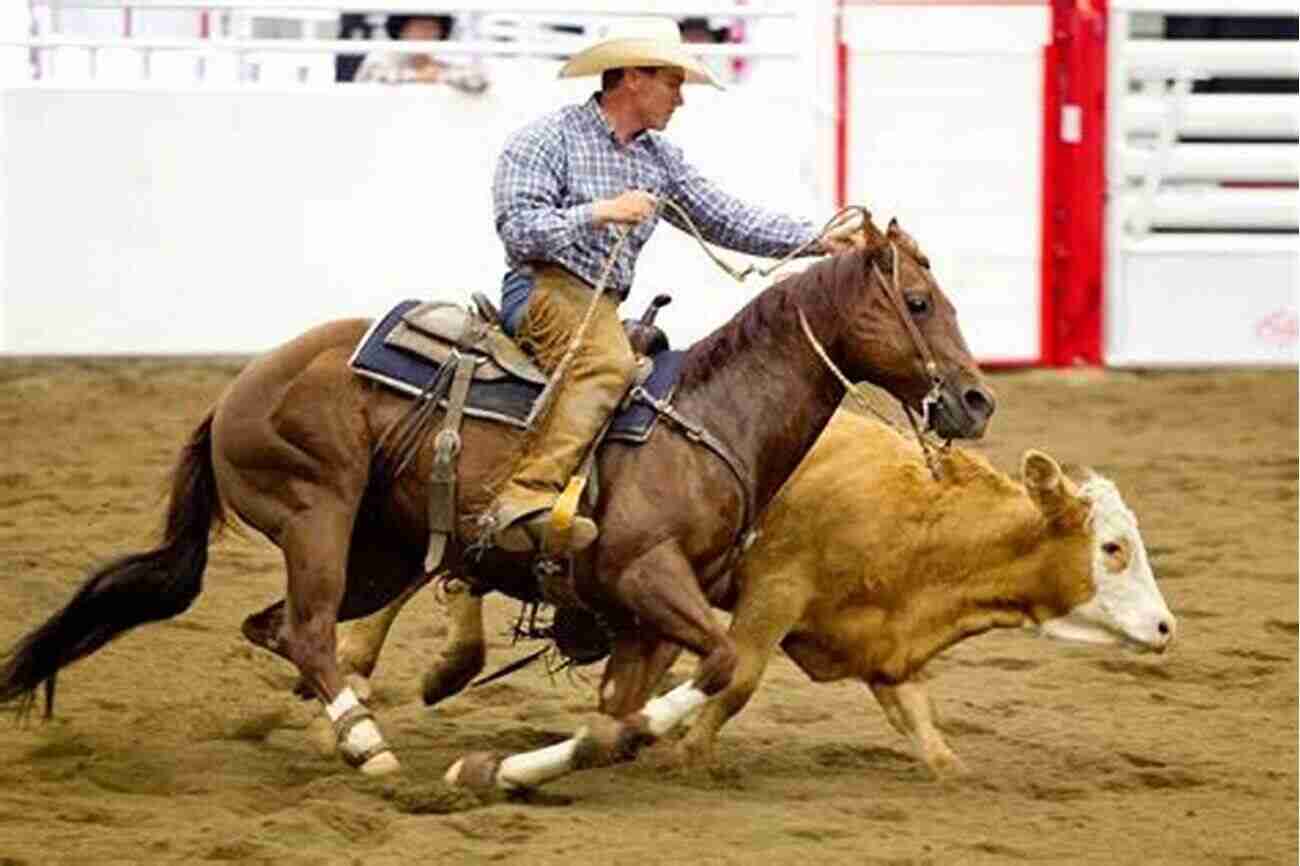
x,y
1110,548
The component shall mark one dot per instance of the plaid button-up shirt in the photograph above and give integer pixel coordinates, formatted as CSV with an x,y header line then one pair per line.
x,y
553,170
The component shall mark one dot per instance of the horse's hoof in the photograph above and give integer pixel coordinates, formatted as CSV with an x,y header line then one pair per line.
x,y
477,771
381,765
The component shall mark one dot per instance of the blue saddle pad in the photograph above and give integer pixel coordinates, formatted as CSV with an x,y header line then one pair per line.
x,y
506,400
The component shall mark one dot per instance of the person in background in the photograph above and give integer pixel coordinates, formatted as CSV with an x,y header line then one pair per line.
x,y
698,30
404,68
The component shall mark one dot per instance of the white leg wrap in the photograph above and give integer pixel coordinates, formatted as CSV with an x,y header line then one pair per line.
x,y
346,700
529,769
363,737
666,712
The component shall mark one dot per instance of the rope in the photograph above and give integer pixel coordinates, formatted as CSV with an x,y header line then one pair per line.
x,y
921,347
930,460
740,275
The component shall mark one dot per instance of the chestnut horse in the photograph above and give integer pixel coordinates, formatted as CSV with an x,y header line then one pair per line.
x,y
294,448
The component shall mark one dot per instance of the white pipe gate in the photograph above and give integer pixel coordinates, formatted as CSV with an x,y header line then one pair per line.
x,y
1201,243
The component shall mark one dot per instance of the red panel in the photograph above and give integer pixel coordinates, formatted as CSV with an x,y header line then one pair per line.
x,y
841,111
1074,183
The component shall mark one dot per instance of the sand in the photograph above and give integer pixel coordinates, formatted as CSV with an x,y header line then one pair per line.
x,y
180,742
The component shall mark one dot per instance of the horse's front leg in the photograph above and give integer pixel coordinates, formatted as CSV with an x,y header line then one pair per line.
x,y
661,589
910,710
637,664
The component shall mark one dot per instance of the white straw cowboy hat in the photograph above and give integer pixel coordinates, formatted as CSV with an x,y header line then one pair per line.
x,y
639,42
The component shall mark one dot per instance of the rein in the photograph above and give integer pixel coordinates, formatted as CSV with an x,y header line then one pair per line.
x,y
891,290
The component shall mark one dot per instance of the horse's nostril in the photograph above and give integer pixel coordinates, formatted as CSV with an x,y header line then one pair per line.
x,y
1163,628
977,402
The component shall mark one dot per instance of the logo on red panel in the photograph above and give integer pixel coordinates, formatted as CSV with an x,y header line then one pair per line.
x,y
1280,328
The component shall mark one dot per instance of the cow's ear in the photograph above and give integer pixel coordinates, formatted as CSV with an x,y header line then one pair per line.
x,y
1044,481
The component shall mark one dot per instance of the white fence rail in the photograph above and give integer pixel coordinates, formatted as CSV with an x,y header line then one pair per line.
x,y
1258,163
293,42
1208,115
224,215
1202,215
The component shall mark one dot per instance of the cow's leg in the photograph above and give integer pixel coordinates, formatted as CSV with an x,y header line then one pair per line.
x,y
661,589
768,608
465,650
909,709
314,542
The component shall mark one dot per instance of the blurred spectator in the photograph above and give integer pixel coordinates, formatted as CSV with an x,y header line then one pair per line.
x,y
352,25
399,68
699,30
696,29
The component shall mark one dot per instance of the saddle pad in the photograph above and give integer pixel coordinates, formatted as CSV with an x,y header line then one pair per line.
x,y
507,400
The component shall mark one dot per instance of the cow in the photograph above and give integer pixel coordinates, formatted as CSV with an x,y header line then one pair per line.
x,y
866,567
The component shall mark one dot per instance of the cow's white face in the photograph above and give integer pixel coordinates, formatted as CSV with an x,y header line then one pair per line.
x,y
1127,605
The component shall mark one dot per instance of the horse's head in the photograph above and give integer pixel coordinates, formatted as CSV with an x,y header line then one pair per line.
x,y
1100,588
908,339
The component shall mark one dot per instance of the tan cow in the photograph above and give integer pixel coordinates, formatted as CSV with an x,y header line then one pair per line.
x,y
866,568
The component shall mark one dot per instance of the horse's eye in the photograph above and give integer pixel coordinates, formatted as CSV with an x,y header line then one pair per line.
x,y
1110,548
918,305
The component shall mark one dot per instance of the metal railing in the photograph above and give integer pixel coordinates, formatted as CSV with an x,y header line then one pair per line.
x,y
1164,175
227,30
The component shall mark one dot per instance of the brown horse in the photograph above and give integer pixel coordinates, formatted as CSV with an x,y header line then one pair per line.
x,y
293,448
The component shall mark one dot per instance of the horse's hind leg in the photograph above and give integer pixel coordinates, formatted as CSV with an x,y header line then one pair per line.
x,y
314,542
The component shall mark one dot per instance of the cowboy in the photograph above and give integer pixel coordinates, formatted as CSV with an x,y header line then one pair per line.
x,y
563,185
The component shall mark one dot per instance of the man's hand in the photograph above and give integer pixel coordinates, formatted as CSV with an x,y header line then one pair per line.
x,y
627,208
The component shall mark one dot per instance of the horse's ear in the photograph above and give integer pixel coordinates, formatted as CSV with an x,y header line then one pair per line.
x,y
896,235
873,239
1044,481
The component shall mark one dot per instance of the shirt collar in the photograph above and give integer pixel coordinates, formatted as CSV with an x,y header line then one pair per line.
x,y
598,117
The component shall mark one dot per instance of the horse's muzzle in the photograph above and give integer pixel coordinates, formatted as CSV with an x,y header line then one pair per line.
x,y
961,411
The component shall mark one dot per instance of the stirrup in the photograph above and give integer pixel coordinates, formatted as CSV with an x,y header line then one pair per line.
x,y
558,538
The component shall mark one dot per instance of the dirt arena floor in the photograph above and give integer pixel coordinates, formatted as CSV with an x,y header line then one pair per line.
x,y
179,743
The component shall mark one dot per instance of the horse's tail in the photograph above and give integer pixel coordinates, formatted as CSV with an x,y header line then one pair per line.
x,y
139,588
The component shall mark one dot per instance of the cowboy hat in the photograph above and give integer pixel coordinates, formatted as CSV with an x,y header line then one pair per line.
x,y
639,42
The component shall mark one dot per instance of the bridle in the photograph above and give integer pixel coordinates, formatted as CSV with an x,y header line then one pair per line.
x,y
897,301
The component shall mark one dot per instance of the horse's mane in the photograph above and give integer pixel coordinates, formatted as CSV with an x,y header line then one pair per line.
x,y
814,290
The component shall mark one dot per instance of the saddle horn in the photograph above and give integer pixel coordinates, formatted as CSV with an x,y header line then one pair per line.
x,y
646,337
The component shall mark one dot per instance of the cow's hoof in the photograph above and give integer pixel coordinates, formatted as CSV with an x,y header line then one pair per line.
x,y
477,771
383,764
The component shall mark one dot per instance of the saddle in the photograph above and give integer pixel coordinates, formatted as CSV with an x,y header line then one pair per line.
x,y
439,330
478,369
